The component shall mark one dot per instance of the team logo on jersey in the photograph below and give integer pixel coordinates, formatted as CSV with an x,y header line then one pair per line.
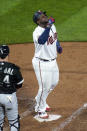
x,y
51,39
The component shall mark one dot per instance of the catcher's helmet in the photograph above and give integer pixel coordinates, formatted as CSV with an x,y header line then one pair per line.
x,y
37,15
4,51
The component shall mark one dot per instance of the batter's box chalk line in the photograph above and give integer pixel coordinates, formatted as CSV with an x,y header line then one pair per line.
x,y
50,118
70,118
62,125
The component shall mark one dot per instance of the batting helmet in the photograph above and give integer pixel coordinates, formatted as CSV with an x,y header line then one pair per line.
x,y
4,51
37,15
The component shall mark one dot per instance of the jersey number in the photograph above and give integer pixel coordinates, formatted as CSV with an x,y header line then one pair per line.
x,y
6,79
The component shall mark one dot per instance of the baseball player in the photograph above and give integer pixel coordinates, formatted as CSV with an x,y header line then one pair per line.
x,y
44,60
10,81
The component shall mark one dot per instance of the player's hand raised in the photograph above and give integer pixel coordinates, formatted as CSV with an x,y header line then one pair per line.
x,y
50,21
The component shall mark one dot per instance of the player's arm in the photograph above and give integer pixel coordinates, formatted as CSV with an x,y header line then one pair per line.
x,y
59,48
20,82
44,36
19,85
18,78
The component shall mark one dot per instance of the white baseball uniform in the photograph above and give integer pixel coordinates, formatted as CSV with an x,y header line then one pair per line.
x,y
45,66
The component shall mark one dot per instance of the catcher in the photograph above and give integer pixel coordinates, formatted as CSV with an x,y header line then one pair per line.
x,y
10,81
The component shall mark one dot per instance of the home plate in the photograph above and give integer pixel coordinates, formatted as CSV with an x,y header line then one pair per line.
x,y
51,118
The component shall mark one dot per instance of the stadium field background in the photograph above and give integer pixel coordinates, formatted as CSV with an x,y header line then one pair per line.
x,y
16,25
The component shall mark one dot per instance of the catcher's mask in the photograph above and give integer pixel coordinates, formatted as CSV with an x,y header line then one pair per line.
x,y
4,51
37,15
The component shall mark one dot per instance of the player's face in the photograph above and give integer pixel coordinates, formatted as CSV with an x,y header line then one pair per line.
x,y
43,20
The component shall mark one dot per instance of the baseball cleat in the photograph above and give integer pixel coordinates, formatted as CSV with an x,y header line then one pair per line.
x,y
43,115
48,109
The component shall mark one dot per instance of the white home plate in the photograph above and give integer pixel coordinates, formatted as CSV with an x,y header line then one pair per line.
x,y
51,118
85,105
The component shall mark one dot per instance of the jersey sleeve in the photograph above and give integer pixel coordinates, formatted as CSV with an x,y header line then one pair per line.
x,y
41,36
35,37
44,36
37,33
18,76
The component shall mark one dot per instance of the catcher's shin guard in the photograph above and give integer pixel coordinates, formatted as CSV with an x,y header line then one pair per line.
x,y
1,128
1,125
15,124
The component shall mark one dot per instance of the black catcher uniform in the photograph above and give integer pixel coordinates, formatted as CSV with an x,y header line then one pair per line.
x,y
10,80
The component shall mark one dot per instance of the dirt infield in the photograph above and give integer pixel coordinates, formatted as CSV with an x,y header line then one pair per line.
x,y
68,96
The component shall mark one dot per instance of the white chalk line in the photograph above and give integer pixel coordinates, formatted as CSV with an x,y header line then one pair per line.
x,y
62,125
70,118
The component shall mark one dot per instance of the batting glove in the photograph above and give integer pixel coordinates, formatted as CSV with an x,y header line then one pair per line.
x,y
50,21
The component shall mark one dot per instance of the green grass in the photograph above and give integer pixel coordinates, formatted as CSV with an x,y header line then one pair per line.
x,y
16,25
75,28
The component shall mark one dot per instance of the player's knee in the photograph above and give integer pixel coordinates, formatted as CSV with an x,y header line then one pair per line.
x,y
54,84
15,124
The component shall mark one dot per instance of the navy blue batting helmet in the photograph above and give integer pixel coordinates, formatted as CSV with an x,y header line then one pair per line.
x,y
37,15
4,51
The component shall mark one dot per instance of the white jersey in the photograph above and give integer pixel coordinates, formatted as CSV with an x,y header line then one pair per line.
x,y
48,50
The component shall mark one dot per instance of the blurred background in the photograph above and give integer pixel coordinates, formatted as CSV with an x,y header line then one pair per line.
x,y
16,25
